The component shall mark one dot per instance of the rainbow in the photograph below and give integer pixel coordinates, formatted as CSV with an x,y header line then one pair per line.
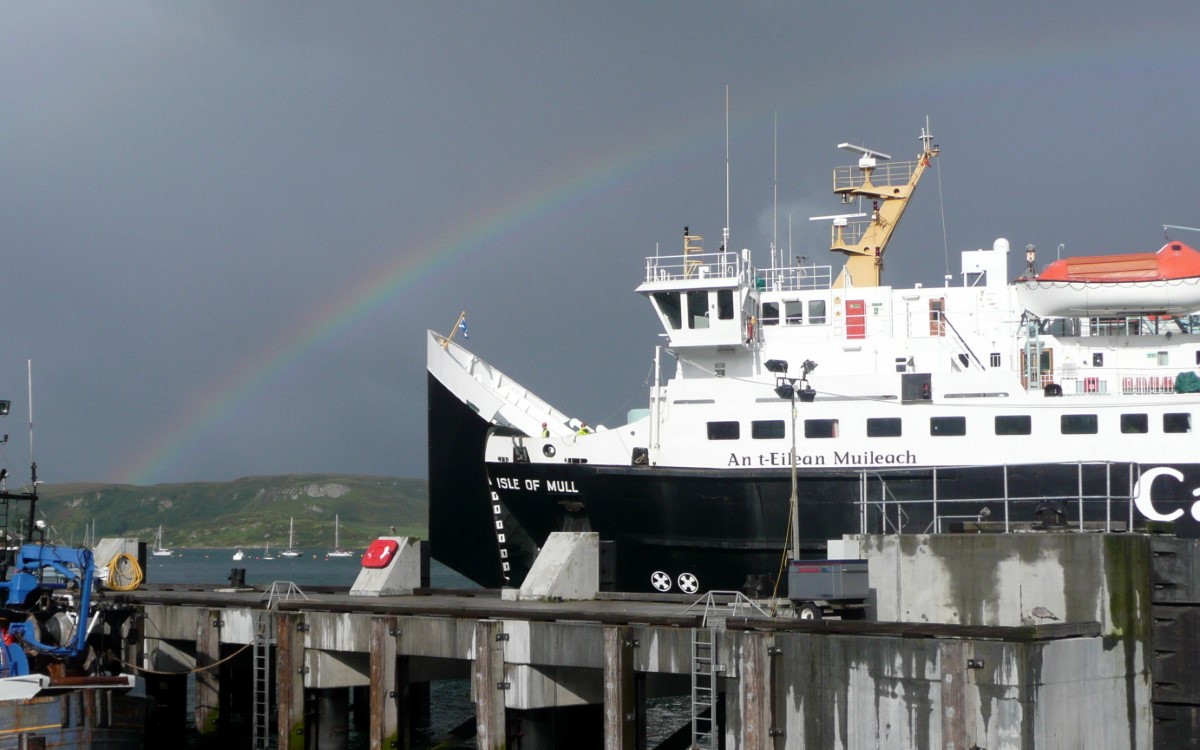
x,y
156,456
993,70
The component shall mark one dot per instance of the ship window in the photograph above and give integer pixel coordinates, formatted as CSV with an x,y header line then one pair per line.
x,y
794,312
1097,359
994,359
697,309
947,426
1162,358
668,305
723,431
883,427
1078,424
1177,422
1135,423
766,429
770,315
1013,424
816,311
725,304
820,428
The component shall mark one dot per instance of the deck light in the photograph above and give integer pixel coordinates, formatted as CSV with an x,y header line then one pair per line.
x,y
776,366
4,406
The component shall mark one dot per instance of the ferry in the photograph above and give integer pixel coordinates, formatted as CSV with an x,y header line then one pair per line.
x,y
794,404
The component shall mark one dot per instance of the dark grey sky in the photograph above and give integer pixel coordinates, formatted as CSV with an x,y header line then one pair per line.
x,y
226,226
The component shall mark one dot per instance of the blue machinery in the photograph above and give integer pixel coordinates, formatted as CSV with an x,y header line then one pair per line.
x,y
27,584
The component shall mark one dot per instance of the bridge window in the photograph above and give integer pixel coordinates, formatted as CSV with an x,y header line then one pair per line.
x,y
1177,422
820,428
1132,424
794,312
883,427
1078,424
1014,424
668,305
697,309
770,314
947,426
723,431
725,304
766,429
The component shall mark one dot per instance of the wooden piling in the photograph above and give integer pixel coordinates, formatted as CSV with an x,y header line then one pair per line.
x,y
385,687
756,695
208,683
488,685
290,676
620,706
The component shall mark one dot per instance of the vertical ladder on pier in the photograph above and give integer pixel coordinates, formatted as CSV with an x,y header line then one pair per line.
x,y
263,640
704,688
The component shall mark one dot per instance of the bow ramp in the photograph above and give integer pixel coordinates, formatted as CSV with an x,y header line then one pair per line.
x,y
493,395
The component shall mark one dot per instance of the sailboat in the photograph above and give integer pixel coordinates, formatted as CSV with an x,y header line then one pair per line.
x,y
159,549
239,555
291,550
338,550
267,552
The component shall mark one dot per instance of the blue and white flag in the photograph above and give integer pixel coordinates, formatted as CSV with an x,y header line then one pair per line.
x,y
462,326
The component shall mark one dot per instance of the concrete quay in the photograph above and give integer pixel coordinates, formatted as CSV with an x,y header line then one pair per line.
x,y
1038,640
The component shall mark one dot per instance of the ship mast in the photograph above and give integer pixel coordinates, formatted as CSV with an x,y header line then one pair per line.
x,y
889,186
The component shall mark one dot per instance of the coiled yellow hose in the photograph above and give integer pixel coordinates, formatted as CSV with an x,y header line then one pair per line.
x,y
124,573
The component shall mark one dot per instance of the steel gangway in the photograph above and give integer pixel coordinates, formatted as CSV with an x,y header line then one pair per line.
x,y
705,666
264,642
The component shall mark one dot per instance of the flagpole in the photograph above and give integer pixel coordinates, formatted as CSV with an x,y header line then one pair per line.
x,y
454,330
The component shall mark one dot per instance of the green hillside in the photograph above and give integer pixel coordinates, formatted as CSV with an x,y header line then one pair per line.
x,y
249,512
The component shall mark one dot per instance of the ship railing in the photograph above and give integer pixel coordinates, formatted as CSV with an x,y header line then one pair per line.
x,y
794,278
1084,508
723,265
1093,381
884,174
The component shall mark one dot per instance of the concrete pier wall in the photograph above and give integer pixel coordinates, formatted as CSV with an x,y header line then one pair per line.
x,y
1019,641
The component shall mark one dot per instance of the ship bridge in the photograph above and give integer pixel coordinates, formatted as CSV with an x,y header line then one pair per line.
x,y
702,299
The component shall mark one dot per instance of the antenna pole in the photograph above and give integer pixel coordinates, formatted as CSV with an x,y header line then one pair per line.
x,y
775,210
32,463
725,237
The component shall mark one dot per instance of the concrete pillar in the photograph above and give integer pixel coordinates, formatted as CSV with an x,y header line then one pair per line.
x,y
289,675
756,695
208,682
333,718
488,684
620,700
386,687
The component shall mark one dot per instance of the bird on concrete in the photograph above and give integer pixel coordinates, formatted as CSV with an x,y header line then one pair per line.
x,y
1041,613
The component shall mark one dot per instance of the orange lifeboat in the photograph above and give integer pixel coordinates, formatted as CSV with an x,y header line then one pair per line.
x,y
1165,282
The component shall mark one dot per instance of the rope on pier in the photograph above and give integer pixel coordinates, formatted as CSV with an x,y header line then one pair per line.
x,y
197,670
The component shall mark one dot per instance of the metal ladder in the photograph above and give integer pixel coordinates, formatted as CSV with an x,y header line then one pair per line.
x,y
704,687
264,628
264,640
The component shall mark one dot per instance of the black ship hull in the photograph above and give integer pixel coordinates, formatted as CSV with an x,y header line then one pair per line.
x,y
683,530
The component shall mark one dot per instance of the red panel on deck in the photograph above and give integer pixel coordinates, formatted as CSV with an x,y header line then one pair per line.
x,y
380,553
